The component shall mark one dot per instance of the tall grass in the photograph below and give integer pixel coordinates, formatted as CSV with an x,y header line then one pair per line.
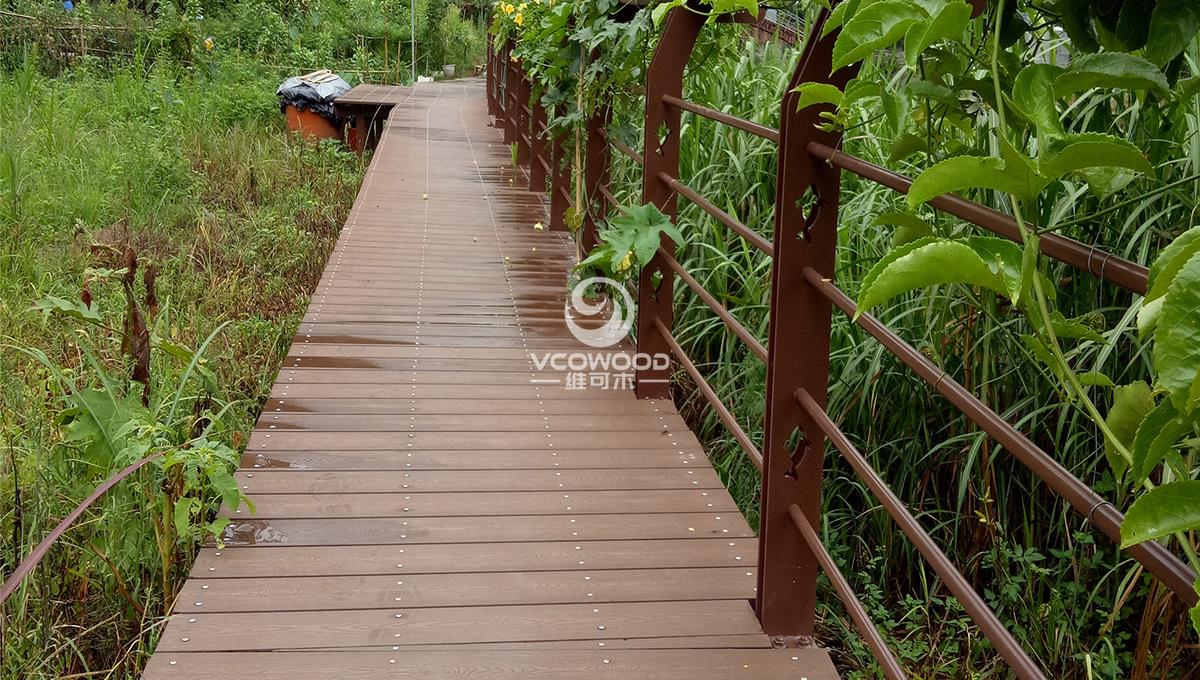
x,y
191,169
1080,606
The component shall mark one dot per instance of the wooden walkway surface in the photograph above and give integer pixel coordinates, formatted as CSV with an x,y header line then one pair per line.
x,y
429,504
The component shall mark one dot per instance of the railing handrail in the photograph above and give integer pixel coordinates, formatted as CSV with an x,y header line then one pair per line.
x,y
818,154
38,553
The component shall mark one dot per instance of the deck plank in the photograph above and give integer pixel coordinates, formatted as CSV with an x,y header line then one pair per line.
x,y
431,502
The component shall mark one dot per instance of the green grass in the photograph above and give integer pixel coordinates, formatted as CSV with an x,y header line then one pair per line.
x,y
192,169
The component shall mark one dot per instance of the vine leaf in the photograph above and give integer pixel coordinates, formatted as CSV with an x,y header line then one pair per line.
x,y
878,25
1172,26
1177,337
1110,70
1161,512
909,227
1172,258
949,24
1166,266
1155,436
1131,403
72,308
1091,150
1013,173
1033,97
812,94
927,262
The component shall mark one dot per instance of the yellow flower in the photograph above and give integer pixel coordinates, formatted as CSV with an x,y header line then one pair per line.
x,y
508,8
208,44
627,262
519,19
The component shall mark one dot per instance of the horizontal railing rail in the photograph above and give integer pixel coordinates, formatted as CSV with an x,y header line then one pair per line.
x,y
804,296
35,556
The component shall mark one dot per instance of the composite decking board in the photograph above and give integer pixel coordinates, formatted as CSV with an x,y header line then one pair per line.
x,y
462,558
457,663
273,533
431,501
471,459
487,503
414,625
405,420
283,481
457,407
608,439
466,590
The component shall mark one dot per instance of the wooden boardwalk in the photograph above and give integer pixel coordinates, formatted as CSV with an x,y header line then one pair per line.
x,y
428,503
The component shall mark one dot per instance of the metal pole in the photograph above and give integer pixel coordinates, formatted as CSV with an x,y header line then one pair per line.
x,y
412,43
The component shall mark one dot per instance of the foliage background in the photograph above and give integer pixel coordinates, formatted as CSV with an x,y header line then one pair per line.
x,y
125,132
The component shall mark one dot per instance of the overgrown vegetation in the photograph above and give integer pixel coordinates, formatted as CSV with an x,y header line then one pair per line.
x,y
160,233
1080,606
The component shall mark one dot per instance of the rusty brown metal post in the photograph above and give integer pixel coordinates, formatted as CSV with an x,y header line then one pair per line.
x,y
595,175
806,213
510,94
493,108
524,132
661,150
539,152
560,177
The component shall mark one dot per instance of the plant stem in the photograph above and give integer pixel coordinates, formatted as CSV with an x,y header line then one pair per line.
x,y
1043,309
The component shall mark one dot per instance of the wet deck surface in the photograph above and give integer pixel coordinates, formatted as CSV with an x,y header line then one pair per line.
x,y
428,503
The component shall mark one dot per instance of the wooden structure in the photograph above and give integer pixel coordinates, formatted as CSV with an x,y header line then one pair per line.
x,y
429,503
366,108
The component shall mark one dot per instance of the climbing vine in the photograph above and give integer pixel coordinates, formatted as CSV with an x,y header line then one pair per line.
x,y
982,106
978,75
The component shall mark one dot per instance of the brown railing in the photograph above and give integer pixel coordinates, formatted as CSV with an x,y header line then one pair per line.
x,y
803,297
27,565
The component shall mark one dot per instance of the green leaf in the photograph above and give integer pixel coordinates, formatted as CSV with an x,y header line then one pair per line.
x,y
1074,329
1079,152
1177,337
72,308
1173,24
1033,96
878,25
183,516
949,24
1029,269
812,94
1110,70
1161,512
1131,403
1155,436
923,263
1012,174
1105,182
906,145
909,227
1095,379
1077,21
1168,263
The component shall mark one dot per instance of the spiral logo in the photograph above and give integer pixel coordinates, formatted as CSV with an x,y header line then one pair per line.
x,y
618,324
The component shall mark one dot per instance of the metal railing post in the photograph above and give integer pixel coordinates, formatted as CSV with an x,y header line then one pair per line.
x,y
537,138
510,94
560,177
661,151
524,135
806,212
595,175
492,104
